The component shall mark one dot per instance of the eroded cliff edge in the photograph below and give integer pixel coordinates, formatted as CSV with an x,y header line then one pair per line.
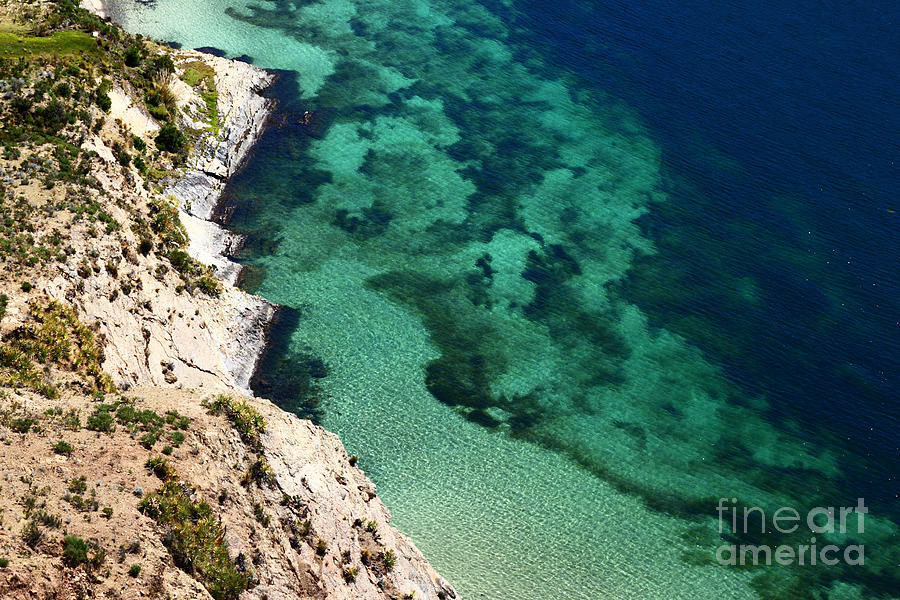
x,y
120,329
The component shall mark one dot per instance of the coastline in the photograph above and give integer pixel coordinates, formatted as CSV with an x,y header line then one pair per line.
x,y
220,345
217,156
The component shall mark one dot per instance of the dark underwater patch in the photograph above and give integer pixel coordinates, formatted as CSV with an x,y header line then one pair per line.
x,y
288,377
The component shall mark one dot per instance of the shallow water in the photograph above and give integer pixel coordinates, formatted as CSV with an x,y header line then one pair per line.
x,y
565,303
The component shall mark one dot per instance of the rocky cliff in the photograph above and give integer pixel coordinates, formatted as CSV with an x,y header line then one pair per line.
x,y
120,329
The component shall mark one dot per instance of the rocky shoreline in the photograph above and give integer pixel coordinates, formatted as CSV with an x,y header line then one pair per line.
x,y
165,346
308,462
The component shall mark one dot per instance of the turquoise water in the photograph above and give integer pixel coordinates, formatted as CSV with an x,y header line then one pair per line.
x,y
460,234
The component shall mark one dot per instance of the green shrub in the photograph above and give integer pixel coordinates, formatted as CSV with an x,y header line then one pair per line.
x,y
104,101
81,503
134,570
133,56
170,139
75,551
259,472
158,112
244,418
32,534
78,485
209,285
160,467
4,562
181,261
389,559
64,448
305,528
22,425
178,421
167,224
101,420
145,246
46,519
260,514
161,64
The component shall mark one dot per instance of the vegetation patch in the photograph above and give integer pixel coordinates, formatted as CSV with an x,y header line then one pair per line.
x,y
78,552
160,467
195,537
60,43
63,448
53,336
147,425
245,419
173,241
201,76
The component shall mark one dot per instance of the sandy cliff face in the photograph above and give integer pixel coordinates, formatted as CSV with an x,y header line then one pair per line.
x,y
314,529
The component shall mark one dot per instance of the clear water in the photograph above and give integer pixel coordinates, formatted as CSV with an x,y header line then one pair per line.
x,y
564,303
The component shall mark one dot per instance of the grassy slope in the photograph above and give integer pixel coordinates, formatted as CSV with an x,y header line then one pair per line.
x,y
63,43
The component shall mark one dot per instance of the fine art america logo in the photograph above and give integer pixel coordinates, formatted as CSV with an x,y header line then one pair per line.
x,y
828,522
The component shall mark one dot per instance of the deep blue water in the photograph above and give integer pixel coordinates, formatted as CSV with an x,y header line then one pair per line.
x,y
781,143
447,238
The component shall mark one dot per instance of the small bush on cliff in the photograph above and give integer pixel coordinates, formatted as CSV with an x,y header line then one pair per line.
x,y
133,56
63,448
160,467
209,284
101,420
32,534
77,552
177,420
102,98
170,139
389,559
244,418
259,472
